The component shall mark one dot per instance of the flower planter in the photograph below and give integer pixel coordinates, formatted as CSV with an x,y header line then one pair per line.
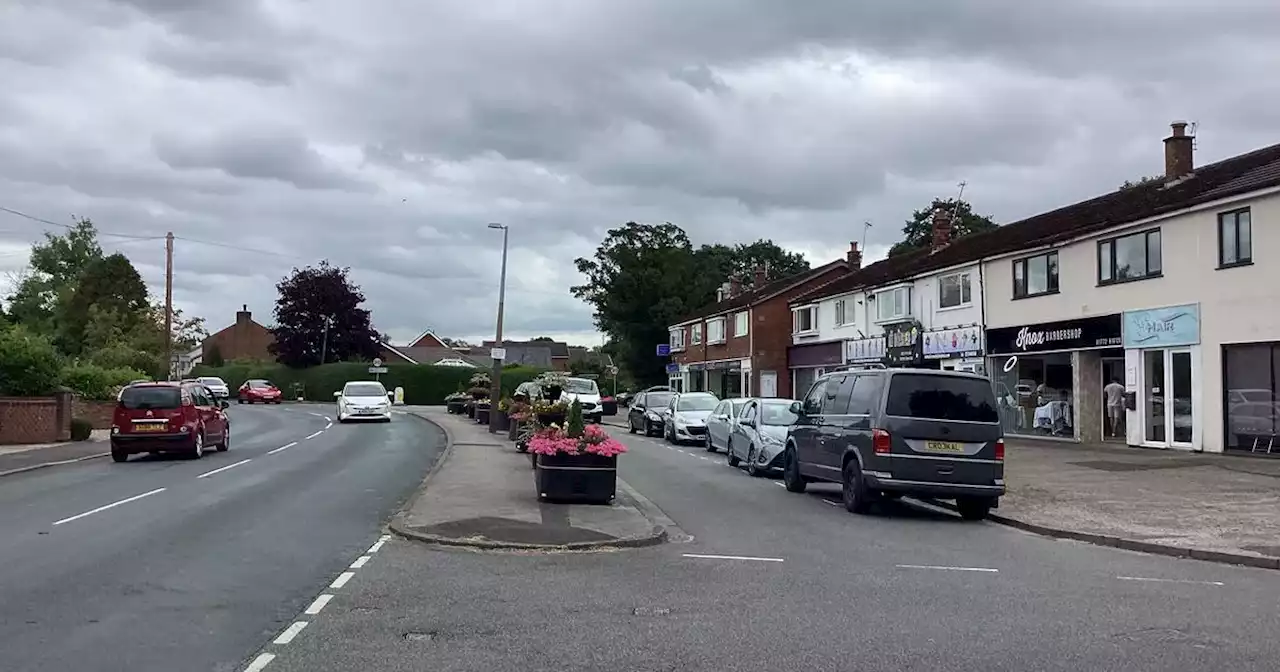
x,y
471,410
582,478
482,415
548,419
503,423
552,392
609,407
455,407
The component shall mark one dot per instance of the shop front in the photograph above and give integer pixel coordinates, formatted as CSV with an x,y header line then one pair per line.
x,y
955,348
1048,377
1162,370
903,346
864,350
1251,391
726,378
811,360
675,376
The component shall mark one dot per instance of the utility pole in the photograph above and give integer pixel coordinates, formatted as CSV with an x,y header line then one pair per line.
x,y
495,379
324,341
168,305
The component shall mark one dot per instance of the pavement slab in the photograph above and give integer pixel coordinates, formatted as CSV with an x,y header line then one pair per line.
x,y
17,459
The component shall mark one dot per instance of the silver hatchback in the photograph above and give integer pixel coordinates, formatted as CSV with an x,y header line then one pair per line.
x,y
760,435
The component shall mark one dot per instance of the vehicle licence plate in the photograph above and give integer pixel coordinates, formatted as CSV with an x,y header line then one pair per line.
x,y
943,447
150,427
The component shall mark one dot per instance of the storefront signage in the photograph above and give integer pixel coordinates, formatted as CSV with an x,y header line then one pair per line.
x,y
725,365
1162,327
955,342
902,345
1087,332
864,350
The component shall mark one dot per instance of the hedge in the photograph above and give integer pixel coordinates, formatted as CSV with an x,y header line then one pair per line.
x,y
423,385
97,383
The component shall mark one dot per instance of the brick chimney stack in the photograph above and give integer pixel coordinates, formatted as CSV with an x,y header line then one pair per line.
x,y
854,256
735,286
941,228
762,274
243,316
1177,152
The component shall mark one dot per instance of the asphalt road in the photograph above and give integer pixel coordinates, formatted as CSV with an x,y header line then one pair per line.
x,y
192,568
778,581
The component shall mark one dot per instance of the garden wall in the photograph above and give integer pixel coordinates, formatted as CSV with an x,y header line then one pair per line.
x,y
35,419
98,413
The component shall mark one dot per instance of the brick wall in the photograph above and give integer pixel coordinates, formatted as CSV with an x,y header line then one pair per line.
x,y
98,413
771,320
245,339
35,419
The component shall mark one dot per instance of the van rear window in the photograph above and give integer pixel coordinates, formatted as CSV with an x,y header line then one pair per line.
x,y
941,398
151,397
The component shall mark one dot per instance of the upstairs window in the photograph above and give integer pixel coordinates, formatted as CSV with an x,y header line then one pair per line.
x,y
1035,276
741,323
1235,238
954,290
893,304
1131,257
677,339
804,320
715,331
841,318
696,334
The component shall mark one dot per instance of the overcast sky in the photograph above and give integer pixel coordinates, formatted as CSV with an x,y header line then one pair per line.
x,y
384,135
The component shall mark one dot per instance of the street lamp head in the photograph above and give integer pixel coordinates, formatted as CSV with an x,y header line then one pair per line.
x,y
495,225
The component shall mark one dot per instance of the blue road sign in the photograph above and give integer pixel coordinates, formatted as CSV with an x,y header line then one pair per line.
x,y
664,350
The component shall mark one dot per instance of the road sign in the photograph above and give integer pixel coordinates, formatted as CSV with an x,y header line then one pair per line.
x,y
498,353
664,349
377,361
673,368
377,369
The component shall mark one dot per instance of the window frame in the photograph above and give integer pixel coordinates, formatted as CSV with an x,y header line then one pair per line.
x,y
906,304
741,323
1146,249
723,335
966,282
1053,281
676,338
695,334
841,313
1222,220
813,320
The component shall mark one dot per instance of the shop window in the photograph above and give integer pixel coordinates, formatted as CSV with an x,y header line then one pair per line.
x,y
1034,397
1235,239
954,290
1035,276
1251,374
1132,257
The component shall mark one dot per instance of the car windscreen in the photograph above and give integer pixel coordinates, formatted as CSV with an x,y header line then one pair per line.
x,y
941,398
581,386
698,402
159,396
657,399
777,413
211,381
364,390
259,384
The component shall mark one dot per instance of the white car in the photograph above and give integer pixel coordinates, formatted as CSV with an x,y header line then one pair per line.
x,y
686,416
588,396
363,400
216,385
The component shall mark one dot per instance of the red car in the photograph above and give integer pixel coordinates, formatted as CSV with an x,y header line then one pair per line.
x,y
168,418
259,390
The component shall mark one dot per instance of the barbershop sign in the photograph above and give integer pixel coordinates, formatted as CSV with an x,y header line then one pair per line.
x,y
1104,331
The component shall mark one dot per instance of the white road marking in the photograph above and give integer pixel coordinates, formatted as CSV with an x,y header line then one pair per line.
x,y
342,580
314,435
385,537
109,506
284,447
781,484
290,632
949,569
377,546
318,605
831,502
360,562
221,469
1143,578
704,458
328,425
260,662
327,419
318,415
731,557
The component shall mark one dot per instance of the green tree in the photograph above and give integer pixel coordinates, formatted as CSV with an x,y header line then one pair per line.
x,y
318,314
1146,179
29,364
917,233
109,285
742,260
55,268
215,357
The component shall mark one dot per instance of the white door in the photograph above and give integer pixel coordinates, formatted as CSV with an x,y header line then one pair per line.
x,y
768,383
1168,407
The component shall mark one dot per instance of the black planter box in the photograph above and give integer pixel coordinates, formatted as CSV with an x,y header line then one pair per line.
x,y
609,407
471,410
482,416
588,479
503,421
513,429
455,407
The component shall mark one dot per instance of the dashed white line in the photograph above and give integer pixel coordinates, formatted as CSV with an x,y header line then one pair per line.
x,y
783,485
327,419
318,605
314,435
949,569
222,469
360,561
829,501
706,459
377,546
1143,578
731,557
318,415
109,506
342,580
260,662
284,447
290,632
328,425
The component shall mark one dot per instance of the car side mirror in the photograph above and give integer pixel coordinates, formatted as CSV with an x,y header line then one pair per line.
x,y
337,394
224,404
797,408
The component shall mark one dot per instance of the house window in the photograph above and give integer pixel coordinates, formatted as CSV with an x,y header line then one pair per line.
x,y
1036,275
840,314
677,339
1235,239
954,290
804,320
715,331
893,304
696,333
741,322
1131,257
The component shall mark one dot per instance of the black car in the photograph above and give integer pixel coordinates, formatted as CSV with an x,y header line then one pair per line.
x,y
889,432
646,412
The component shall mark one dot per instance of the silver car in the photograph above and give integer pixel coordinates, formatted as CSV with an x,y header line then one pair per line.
x,y
721,422
686,416
760,435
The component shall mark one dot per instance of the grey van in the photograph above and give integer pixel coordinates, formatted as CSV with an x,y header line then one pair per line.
x,y
883,433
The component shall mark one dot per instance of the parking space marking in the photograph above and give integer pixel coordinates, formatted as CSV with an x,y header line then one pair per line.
x,y
222,469
950,569
260,663
284,447
1154,580
318,605
290,632
112,505
747,558
342,580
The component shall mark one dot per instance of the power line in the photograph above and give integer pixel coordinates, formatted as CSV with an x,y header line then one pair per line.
x,y
69,227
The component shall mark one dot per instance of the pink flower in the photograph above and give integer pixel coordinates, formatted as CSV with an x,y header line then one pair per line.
x,y
554,441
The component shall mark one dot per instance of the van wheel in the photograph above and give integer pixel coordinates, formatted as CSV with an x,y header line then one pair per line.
x,y
197,447
791,471
973,508
733,457
857,498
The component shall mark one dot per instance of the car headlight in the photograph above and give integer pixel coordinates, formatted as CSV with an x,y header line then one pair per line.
x,y
654,416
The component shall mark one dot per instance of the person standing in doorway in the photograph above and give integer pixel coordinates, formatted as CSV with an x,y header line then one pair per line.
x,y
1114,394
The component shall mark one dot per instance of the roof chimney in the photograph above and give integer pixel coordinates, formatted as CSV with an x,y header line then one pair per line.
x,y
243,316
1177,152
941,228
735,286
761,274
854,256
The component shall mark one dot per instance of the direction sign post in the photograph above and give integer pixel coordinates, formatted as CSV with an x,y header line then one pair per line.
x,y
664,349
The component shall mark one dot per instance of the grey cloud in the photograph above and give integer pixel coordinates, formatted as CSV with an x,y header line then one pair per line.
x,y
221,60
264,154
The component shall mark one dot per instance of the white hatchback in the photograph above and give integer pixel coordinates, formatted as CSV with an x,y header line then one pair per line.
x,y
363,400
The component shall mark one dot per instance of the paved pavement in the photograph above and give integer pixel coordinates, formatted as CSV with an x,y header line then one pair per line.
x,y
20,458
777,581
171,564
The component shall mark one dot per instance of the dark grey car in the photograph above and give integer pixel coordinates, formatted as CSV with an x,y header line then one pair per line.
x,y
882,433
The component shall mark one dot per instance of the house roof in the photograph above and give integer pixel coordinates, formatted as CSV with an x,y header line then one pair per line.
x,y
430,355
764,293
428,339
557,348
1256,170
579,354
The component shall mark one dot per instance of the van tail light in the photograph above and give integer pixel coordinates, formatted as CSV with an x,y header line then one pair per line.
x,y
881,442
1000,450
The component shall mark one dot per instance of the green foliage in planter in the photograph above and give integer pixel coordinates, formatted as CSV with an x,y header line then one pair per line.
x,y
81,429
423,385
98,383
574,425
29,364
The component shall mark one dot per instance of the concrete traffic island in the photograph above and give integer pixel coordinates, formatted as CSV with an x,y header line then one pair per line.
x,y
483,495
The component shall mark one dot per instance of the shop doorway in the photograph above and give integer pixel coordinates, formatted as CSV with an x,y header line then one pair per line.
x,y
1114,422
1167,405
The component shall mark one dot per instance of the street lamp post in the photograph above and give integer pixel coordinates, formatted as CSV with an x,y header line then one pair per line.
x,y
495,382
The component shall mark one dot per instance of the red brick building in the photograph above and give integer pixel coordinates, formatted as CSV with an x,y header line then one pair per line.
x,y
737,346
245,339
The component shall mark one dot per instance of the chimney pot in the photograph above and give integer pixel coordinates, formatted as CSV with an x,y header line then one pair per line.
x,y
854,256
1178,152
941,228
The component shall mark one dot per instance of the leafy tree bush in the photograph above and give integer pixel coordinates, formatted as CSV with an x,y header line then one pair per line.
x,y
29,364
81,429
215,356
98,383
